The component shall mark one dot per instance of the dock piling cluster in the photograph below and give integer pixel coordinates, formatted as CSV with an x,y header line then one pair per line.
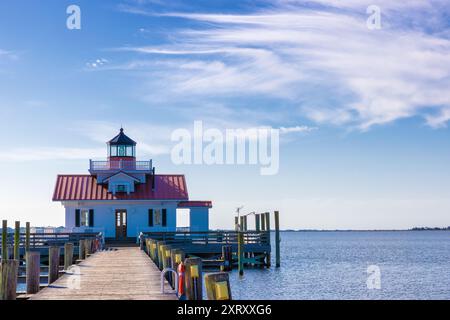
x,y
27,256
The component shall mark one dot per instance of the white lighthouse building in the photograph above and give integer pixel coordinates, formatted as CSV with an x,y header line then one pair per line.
x,y
122,196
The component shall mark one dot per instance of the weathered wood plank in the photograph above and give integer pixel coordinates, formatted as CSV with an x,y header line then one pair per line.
x,y
124,274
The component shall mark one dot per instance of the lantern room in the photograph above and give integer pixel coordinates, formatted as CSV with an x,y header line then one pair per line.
x,y
121,147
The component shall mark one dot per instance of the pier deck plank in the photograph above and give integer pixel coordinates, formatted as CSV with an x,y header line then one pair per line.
x,y
125,274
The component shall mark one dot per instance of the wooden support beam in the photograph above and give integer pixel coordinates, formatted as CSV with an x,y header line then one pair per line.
x,y
8,279
33,259
257,222
81,250
4,240
27,236
17,240
227,257
88,247
241,253
277,239
193,278
218,286
267,218
68,255
53,264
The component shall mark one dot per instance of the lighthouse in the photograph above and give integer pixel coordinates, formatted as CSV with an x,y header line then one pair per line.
x,y
122,196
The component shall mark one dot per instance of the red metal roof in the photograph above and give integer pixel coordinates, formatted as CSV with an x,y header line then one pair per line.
x,y
188,204
85,187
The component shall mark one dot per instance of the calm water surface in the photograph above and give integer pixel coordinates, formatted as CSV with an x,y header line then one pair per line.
x,y
333,265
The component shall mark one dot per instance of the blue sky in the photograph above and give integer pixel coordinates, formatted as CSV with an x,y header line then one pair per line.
x,y
369,145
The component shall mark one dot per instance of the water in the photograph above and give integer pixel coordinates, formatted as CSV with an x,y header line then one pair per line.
x,y
333,265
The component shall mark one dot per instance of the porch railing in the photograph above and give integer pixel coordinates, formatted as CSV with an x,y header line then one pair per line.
x,y
210,237
108,165
38,240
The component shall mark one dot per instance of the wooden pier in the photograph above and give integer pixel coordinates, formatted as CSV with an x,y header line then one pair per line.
x,y
124,273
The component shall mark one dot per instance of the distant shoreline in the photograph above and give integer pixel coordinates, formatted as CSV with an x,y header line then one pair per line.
x,y
367,230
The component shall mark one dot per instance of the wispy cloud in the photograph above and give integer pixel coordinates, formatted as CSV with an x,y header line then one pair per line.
x,y
322,59
97,63
297,129
50,153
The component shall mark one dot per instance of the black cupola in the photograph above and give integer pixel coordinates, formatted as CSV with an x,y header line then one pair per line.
x,y
121,146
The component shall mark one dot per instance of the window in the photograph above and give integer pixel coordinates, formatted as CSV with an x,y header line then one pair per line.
x,y
150,217
157,217
121,188
84,217
160,217
113,152
122,151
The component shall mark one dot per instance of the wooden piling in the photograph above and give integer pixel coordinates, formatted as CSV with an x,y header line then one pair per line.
x,y
193,279
33,259
277,239
257,223
17,241
218,286
8,279
241,253
53,264
88,247
177,257
227,257
4,240
263,222
236,223
81,250
267,218
245,224
241,223
68,255
27,236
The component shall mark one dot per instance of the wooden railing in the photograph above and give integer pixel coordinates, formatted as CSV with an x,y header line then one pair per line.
x,y
120,165
210,237
38,240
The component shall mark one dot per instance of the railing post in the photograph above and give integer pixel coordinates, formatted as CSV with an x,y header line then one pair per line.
x,y
277,239
193,275
33,271
240,253
27,237
227,257
81,250
88,247
218,286
267,214
53,264
68,255
8,279
4,240
263,222
17,241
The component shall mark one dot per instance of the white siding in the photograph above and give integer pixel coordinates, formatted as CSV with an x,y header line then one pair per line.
x,y
137,216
